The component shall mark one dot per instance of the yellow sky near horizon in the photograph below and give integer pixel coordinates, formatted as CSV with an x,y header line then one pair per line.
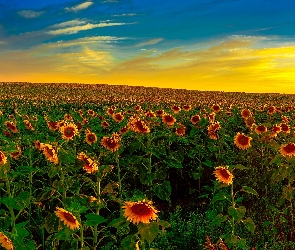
x,y
233,65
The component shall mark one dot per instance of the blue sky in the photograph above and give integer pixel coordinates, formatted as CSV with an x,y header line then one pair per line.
x,y
153,43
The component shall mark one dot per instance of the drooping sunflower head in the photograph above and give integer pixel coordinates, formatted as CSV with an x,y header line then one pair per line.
x,y
288,149
242,141
50,152
140,127
5,242
223,175
67,218
105,124
3,158
15,155
141,211
69,130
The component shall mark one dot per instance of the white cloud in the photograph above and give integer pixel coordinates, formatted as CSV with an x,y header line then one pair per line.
x,y
78,7
150,42
30,13
76,29
127,14
68,23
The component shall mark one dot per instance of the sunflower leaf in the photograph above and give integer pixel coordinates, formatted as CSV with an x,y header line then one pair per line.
x,y
249,190
94,219
149,231
119,222
249,224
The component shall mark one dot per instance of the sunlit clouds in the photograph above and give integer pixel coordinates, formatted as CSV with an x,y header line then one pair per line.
x,y
112,42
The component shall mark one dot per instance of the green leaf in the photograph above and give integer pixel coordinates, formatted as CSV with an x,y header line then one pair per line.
x,y
220,196
283,219
163,191
148,231
249,224
94,219
240,167
23,170
249,190
66,156
22,233
220,218
288,193
237,213
119,222
208,163
10,202
242,243
20,225
172,162
51,223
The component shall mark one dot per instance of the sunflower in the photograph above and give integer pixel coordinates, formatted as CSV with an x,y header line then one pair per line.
x,y
6,133
90,137
187,107
150,114
110,111
176,109
5,242
90,112
68,218
160,112
69,130
169,120
3,158
260,129
249,121
242,141
68,117
137,108
140,127
118,117
223,175
216,108
288,149
211,117
285,119
271,110
50,152
141,211
105,124
11,126
180,131
110,143
17,154
209,245
85,121
285,128
123,130
28,125
52,125
195,119
245,113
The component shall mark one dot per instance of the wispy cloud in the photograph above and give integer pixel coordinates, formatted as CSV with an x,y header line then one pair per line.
x,y
77,28
79,7
127,14
149,42
68,23
30,13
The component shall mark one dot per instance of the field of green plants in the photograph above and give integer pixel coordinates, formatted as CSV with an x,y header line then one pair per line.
x,y
119,167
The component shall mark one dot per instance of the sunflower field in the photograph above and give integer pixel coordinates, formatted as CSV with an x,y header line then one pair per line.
x,y
119,167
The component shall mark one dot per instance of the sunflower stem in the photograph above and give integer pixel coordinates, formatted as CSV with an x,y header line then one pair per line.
x,y
119,177
81,236
10,208
30,184
97,212
233,205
